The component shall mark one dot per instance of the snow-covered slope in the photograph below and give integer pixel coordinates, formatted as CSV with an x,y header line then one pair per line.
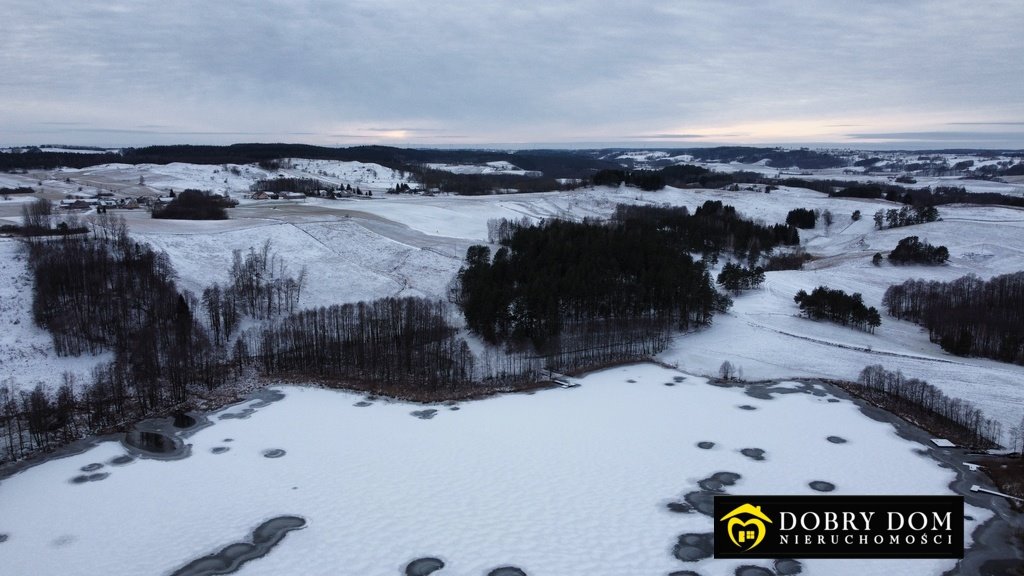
x,y
27,355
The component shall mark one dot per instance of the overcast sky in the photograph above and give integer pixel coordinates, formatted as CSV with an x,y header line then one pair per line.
x,y
906,74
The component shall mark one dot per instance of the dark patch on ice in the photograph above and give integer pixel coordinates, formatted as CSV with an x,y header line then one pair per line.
x,y
63,540
95,477
219,449
273,453
241,415
694,547
231,557
751,570
822,486
921,452
702,501
423,566
229,440
683,573
705,445
836,439
670,383
679,507
183,420
631,381
454,408
263,398
718,481
153,444
3,538
506,571
424,414
121,460
747,407
787,567
679,378
362,404
91,467
833,400
753,453
968,517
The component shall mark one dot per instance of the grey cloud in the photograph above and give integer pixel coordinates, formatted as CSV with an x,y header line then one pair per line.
x,y
497,71
938,136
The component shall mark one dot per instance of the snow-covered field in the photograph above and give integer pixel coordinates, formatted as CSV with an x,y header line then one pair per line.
x,y
498,167
762,332
413,245
562,482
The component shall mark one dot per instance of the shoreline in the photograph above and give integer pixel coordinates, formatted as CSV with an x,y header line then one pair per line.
x,y
992,545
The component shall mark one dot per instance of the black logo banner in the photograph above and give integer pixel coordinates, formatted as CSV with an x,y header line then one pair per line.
x,y
839,526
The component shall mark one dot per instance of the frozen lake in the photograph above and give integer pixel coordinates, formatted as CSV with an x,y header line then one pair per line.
x,y
585,481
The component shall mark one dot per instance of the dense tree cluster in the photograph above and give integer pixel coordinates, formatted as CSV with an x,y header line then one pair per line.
x,y
106,293
260,287
968,316
37,217
735,277
712,229
649,180
194,205
395,346
824,303
6,191
911,250
802,218
586,293
955,418
905,216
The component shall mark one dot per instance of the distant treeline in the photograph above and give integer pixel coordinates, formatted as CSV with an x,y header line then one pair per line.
x,y
776,157
480,184
308,186
552,163
922,196
824,303
19,190
643,179
686,175
956,419
968,316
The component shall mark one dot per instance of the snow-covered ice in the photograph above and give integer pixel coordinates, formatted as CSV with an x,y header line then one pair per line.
x,y
561,482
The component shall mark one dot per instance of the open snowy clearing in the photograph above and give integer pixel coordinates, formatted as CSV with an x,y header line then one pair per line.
x,y
562,482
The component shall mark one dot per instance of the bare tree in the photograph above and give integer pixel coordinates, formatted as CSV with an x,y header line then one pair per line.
x,y
727,371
